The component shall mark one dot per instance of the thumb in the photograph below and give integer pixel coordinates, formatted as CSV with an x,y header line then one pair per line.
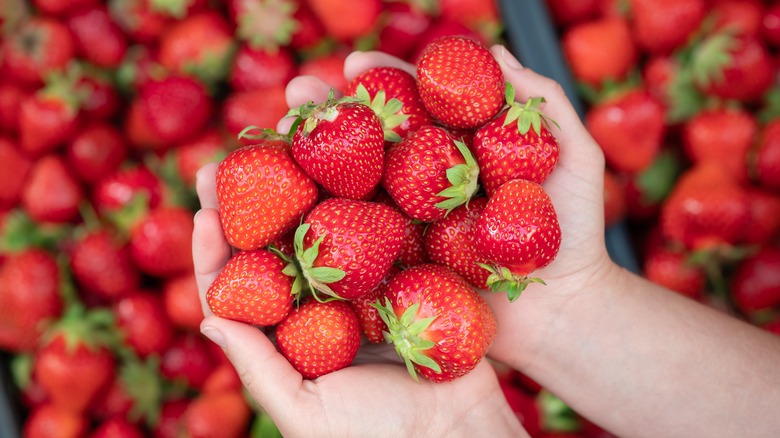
x,y
265,373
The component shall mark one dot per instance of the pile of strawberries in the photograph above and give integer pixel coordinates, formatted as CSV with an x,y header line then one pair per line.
x,y
682,98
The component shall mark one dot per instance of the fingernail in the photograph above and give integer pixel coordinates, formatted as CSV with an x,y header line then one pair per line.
x,y
510,60
195,216
214,335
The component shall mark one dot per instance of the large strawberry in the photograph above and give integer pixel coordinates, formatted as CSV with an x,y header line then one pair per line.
x,y
515,144
450,242
518,232
262,194
252,288
345,247
340,144
429,173
438,323
460,82
319,337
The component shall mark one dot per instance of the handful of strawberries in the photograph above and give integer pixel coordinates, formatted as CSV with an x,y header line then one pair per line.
x,y
384,212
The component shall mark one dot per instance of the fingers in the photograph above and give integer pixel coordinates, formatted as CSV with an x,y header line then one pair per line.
x,y
265,373
301,90
206,185
210,251
358,62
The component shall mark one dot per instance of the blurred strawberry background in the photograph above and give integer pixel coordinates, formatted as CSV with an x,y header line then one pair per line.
x,y
108,108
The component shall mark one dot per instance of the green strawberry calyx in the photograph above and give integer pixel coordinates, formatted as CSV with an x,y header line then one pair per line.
x,y
527,115
501,279
463,178
310,113
268,25
389,112
404,333
316,278
711,57
253,132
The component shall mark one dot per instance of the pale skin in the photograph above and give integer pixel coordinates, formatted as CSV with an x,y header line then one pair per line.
x,y
632,357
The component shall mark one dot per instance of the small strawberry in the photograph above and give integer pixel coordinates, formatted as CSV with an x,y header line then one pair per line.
x,y
262,194
14,168
11,97
96,151
101,264
143,324
48,420
209,147
50,117
253,288
371,324
100,98
515,144
660,26
599,50
319,337
764,207
175,107
450,242
345,247
161,242
97,37
258,68
756,282
181,302
41,46
120,189
224,414
363,17
672,269
440,326
428,174
518,232
52,193
765,162
261,107
403,26
460,82
340,144
396,84
188,360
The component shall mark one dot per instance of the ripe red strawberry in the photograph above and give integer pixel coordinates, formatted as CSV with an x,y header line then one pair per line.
x,y
181,302
117,427
460,82
11,97
346,247
329,68
428,174
121,188
516,144
568,12
766,161
319,337
441,28
260,68
646,190
143,323
253,288
30,298
209,147
412,249
265,25
262,194
739,16
97,37
48,420
146,20
396,84
770,25
201,45
340,144
371,324
450,242
660,26
188,360
170,422
101,264
161,242
438,323
599,50
99,96
518,232
14,168
525,408
764,208
175,107
615,209
404,24
224,414
630,128
672,269
363,17
475,14
705,139
62,8
41,46
51,193
75,363
96,151
756,282
48,118
261,107
706,209
223,378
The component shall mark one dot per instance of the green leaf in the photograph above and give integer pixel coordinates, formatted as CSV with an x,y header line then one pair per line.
x,y
325,274
409,314
420,326
422,360
509,93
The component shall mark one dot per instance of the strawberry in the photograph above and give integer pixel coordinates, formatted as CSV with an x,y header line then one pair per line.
x,y
599,50
117,427
30,298
201,45
340,144
187,360
515,144
460,82
259,107
96,151
660,26
568,12
146,20
363,17
412,249
101,264
51,421
764,209
615,209
440,326
319,337
223,414
123,187
756,282
48,118
161,242
450,242
441,28
770,25
97,38
223,378
705,139
309,33
14,167
143,323
345,247
52,193
181,302
706,209
518,232
396,84
99,97
765,162
11,97
630,129
475,14
329,68
645,191
75,363
41,46
371,324
428,174
60,7
402,28
175,107
672,269
265,24
739,16
192,155
262,194
257,68
253,288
